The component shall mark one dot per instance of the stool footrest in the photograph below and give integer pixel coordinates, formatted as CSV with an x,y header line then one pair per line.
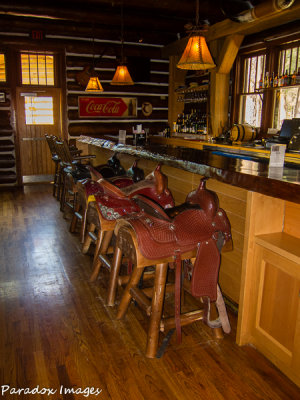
x,y
124,279
69,204
143,301
170,288
79,216
93,236
105,261
185,319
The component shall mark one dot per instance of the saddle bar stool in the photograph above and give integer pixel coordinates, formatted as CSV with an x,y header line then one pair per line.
x,y
51,144
114,202
151,299
88,188
72,170
134,241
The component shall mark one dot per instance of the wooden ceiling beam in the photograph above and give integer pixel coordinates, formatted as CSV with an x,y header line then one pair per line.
x,y
228,27
228,53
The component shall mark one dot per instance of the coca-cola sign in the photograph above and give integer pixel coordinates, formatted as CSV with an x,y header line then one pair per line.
x,y
113,107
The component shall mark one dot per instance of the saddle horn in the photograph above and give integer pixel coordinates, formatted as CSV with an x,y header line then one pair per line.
x,y
205,198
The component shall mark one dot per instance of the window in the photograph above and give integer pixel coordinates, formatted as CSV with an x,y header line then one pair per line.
x,y
2,68
287,100
251,100
268,90
39,110
37,69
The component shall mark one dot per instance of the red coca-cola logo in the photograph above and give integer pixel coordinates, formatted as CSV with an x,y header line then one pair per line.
x,y
101,107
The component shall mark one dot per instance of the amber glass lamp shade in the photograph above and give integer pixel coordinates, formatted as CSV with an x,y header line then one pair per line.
x,y
122,76
94,85
196,55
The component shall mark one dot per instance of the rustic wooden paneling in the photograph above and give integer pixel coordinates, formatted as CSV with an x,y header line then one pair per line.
x,y
153,88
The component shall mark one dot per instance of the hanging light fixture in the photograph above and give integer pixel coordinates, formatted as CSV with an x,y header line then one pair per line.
x,y
122,75
196,55
94,84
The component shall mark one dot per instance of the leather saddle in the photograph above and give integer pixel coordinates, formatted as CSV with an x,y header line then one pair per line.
x,y
198,224
115,201
112,170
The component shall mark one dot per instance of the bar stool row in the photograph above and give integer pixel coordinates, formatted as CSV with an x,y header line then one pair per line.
x,y
132,221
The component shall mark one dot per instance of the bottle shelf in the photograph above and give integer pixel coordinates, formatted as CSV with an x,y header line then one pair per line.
x,y
276,88
191,89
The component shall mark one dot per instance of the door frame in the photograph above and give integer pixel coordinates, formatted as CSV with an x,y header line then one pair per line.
x,y
60,83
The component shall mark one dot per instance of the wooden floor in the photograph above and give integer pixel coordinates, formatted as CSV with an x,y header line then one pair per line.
x,y
57,333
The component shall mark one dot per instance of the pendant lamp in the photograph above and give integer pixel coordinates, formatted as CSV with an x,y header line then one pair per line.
x,y
94,84
122,76
196,55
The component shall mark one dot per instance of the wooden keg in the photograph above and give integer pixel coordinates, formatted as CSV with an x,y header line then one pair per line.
x,y
242,133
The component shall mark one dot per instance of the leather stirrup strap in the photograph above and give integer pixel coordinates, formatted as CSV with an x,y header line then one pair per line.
x,y
178,294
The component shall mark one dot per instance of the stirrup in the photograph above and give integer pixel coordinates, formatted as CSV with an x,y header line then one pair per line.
x,y
222,320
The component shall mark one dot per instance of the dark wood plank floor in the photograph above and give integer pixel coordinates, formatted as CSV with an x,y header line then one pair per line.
x,y
56,329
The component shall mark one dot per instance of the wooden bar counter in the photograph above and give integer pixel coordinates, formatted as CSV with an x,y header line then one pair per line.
x,y
262,273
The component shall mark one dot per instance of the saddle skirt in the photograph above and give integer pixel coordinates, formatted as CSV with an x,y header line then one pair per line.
x,y
159,237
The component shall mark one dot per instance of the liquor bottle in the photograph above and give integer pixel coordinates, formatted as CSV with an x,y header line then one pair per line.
x,y
130,108
285,79
182,123
261,82
275,81
294,78
175,127
271,83
266,82
179,123
298,77
167,130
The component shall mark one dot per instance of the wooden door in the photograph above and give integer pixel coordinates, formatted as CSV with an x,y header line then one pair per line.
x,y
38,113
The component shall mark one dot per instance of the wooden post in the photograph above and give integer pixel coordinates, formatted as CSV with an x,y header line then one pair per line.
x,y
224,53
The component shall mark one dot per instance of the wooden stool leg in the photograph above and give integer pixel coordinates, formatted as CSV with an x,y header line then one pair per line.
x,y
59,182
156,309
126,298
103,246
104,242
97,262
55,180
113,277
88,239
83,225
74,218
62,195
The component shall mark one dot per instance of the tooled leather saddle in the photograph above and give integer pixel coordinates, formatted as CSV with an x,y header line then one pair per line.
x,y
198,224
115,201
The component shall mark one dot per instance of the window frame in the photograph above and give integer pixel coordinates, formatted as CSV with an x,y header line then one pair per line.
x,y
5,63
271,49
56,64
